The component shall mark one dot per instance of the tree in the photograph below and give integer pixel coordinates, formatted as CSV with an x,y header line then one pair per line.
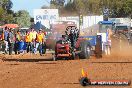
x,y
57,3
77,6
6,4
83,6
128,8
6,14
117,8
22,18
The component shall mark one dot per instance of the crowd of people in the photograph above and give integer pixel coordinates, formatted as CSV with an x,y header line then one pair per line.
x,y
31,42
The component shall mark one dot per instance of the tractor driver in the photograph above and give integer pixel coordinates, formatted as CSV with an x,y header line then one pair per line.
x,y
72,37
66,35
76,34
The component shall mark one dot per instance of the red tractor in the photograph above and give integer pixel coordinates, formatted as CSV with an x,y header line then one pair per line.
x,y
71,45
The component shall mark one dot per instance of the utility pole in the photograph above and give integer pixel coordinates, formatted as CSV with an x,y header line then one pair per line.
x,y
80,20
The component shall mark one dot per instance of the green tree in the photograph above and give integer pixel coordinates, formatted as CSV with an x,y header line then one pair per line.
x,y
128,8
117,8
77,6
6,14
57,3
22,18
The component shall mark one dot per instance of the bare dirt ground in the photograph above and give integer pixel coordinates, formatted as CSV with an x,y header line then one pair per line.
x,y
34,71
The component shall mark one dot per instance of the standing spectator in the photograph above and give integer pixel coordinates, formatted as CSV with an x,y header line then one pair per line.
x,y
108,47
2,35
5,38
18,36
11,40
33,34
109,34
2,40
39,41
17,40
28,40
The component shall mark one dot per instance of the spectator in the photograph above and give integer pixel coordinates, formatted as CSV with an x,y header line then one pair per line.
x,y
39,41
18,36
11,40
5,38
108,33
17,40
28,40
33,34
2,35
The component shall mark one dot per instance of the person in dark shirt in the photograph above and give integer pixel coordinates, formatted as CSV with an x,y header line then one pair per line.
x,y
72,38
11,41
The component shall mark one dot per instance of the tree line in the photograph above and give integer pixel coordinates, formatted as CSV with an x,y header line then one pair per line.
x,y
116,8
21,17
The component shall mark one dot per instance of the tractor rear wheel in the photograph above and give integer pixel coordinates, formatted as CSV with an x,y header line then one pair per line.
x,y
85,50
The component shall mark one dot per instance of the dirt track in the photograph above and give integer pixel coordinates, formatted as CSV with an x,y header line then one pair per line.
x,y
44,73
25,71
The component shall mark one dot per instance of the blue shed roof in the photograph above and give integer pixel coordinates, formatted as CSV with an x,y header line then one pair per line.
x,y
105,22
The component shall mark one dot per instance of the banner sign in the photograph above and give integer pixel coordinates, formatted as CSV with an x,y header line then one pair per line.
x,y
46,16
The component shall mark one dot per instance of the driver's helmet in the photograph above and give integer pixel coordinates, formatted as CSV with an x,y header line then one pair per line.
x,y
71,31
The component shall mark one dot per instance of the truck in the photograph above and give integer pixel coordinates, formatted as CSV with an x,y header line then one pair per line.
x,y
99,42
